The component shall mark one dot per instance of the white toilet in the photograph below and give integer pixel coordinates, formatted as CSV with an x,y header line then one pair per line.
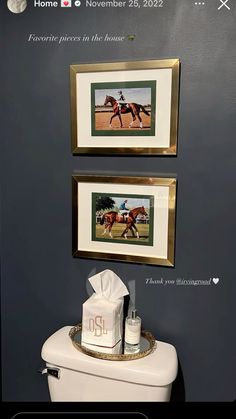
x,y
74,376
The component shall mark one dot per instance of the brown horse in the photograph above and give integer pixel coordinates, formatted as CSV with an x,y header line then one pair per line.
x,y
133,108
109,218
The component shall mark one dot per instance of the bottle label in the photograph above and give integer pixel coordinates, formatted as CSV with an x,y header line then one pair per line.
x,y
132,334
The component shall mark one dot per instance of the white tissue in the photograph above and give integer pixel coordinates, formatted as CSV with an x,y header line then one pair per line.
x,y
103,312
108,285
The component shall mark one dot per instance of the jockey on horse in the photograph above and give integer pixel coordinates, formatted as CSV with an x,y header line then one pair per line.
x,y
120,107
110,217
123,210
121,101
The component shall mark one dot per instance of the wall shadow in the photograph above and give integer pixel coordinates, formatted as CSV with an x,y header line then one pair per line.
x,y
178,387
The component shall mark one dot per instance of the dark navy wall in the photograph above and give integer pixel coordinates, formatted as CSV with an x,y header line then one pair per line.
x,y
43,287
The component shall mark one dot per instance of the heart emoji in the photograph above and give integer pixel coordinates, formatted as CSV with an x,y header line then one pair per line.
x,y
66,3
215,280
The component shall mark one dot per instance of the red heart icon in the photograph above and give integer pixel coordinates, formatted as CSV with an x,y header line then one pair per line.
x,y
66,3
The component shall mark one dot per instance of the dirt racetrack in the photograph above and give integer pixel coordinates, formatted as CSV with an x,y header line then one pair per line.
x,y
102,121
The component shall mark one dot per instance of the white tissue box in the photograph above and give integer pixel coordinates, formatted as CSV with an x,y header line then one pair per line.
x,y
116,350
102,321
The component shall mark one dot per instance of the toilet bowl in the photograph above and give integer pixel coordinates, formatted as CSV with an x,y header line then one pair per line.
x,y
74,376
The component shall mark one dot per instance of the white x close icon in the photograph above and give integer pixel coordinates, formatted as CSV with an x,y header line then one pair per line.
x,y
224,3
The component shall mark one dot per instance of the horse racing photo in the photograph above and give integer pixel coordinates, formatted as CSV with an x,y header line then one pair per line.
x,y
122,218
126,108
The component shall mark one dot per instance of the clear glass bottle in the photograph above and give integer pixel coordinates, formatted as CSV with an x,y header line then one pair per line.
x,y
132,332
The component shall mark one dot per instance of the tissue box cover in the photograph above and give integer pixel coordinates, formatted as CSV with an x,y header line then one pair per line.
x,y
102,321
116,350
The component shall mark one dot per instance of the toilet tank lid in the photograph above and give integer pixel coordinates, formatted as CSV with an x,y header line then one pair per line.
x,y
157,369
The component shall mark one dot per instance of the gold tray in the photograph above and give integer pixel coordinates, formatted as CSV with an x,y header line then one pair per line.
x,y
147,345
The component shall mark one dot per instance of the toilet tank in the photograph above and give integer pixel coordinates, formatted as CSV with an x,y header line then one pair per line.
x,y
84,378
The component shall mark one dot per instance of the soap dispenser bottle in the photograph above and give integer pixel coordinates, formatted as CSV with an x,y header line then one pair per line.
x,y
132,332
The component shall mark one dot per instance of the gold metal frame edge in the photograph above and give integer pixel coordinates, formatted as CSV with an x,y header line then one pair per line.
x,y
170,182
173,63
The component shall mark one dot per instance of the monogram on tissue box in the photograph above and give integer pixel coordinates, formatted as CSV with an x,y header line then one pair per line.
x,y
102,318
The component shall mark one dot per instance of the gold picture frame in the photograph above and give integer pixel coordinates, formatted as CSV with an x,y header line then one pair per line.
x,y
143,233
153,82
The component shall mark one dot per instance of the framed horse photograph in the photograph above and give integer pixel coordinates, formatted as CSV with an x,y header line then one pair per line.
x,y
125,107
124,218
